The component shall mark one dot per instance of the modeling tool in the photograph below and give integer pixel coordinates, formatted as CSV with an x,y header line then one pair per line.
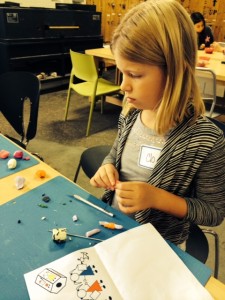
x,y
59,235
93,205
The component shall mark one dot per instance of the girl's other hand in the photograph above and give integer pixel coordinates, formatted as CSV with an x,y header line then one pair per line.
x,y
135,195
202,47
105,177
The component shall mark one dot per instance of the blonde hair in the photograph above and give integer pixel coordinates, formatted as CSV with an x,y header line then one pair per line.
x,y
160,32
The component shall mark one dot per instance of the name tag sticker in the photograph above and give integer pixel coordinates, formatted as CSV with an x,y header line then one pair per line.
x,y
148,156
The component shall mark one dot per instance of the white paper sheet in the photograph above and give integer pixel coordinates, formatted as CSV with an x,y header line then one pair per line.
x,y
136,264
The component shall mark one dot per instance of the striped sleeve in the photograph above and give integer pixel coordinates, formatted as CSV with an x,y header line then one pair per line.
x,y
207,206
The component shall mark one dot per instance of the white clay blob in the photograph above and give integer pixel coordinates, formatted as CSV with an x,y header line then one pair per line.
x,y
92,232
19,180
75,218
12,163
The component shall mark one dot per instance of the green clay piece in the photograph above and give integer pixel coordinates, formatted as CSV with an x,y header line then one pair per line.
x,y
43,205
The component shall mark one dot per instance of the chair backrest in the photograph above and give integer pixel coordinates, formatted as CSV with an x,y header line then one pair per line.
x,y
197,244
15,88
83,66
207,83
218,124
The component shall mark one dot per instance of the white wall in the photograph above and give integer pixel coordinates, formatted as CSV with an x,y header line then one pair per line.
x,y
40,3
33,3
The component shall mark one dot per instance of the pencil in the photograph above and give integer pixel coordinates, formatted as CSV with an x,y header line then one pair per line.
x,y
93,205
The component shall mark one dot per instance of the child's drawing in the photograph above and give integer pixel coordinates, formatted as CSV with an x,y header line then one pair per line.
x,y
86,285
51,280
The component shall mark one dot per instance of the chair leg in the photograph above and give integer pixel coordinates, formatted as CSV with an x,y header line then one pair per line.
x,y
90,116
77,173
67,103
212,109
102,104
216,257
37,155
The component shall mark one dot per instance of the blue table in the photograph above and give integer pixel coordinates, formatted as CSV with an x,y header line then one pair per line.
x,y
26,242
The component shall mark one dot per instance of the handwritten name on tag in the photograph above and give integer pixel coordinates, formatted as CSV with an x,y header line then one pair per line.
x,y
148,156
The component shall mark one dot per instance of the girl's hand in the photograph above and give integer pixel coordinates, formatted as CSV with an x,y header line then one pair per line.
x,y
133,196
202,47
106,177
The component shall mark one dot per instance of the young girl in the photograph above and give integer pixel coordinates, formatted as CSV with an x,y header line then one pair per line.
x,y
167,164
204,33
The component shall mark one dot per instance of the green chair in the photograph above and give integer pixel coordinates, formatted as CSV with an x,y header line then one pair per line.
x,y
84,68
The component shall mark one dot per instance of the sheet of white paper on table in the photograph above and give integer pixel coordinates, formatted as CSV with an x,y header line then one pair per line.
x,y
136,264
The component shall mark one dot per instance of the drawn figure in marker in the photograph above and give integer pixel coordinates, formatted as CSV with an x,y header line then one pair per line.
x,y
83,276
51,280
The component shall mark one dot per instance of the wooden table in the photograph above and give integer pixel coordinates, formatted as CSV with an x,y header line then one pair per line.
x,y
105,53
9,192
214,63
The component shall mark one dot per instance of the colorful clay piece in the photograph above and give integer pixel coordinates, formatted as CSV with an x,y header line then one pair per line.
x,y
41,173
19,182
12,163
18,154
4,154
209,50
26,158
110,225
43,205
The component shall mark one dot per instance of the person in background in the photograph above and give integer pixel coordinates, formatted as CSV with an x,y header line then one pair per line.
x,y
205,36
167,163
204,33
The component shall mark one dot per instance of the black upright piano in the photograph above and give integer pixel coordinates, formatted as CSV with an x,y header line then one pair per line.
x,y
39,39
